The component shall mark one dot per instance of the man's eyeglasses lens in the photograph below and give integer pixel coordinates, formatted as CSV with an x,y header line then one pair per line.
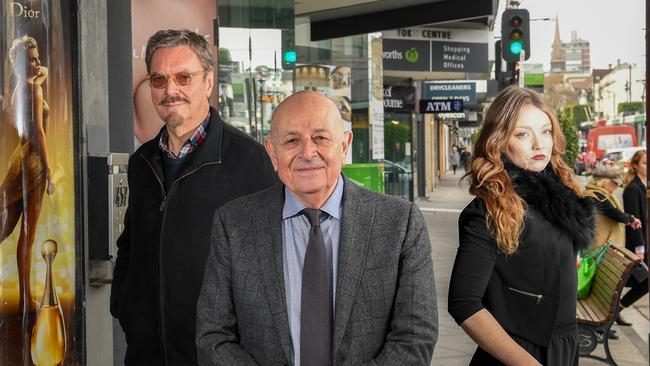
x,y
159,81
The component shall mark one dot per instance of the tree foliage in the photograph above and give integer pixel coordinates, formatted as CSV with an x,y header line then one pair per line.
x,y
577,114
571,135
631,107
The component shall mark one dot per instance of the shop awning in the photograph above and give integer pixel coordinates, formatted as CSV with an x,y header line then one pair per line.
x,y
340,18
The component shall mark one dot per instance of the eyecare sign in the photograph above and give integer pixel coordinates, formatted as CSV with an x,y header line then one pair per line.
x,y
436,50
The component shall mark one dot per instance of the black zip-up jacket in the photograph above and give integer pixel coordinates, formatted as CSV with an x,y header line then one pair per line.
x,y
165,242
634,201
525,291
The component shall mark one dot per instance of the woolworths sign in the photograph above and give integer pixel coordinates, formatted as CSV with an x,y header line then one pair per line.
x,y
435,51
406,55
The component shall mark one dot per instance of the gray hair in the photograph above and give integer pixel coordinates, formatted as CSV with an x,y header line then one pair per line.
x,y
180,37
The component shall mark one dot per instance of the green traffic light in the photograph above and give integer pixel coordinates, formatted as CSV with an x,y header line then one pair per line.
x,y
516,47
290,56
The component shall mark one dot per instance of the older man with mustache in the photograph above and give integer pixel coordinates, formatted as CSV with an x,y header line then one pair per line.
x,y
321,271
177,180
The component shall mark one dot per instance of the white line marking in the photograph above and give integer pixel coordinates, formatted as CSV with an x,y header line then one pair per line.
x,y
428,209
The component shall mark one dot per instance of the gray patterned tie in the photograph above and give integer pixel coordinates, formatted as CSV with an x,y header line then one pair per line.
x,y
316,302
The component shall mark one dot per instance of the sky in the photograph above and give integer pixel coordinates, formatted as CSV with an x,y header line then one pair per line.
x,y
614,28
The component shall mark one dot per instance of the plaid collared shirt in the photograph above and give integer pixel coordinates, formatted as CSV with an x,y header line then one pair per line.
x,y
190,145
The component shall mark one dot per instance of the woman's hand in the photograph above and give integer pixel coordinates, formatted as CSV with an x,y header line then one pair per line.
x,y
40,78
486,331
635,224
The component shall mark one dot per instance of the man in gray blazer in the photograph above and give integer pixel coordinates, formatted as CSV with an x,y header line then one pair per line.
x,y
319,271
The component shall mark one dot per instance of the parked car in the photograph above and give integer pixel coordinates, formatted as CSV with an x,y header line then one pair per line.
x,y
620,157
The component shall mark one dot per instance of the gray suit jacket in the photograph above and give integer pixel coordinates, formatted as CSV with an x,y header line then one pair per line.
x,y
385,297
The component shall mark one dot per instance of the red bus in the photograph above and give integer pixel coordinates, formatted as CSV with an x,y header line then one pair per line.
x,y
602,138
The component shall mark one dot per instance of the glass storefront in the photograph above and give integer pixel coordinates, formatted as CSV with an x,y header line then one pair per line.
x,y
398,163
265,56
256,72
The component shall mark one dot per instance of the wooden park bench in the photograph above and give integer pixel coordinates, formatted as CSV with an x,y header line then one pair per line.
x,y
597,312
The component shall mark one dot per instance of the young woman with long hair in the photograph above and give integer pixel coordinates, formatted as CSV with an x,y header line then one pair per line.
x,y
634,202
513,286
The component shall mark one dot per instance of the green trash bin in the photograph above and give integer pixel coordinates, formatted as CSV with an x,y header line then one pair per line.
x,y
370,175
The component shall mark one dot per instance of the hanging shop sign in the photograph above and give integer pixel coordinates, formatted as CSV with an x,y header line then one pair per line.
x,y
442,106
442,91
439,34
454,116
406,55
41,290
436,50
399,98
459,57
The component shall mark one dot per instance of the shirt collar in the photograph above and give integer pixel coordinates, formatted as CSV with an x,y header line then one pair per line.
x,y
192,142
293,206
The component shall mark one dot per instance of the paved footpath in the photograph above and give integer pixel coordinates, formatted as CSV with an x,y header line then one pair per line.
x,y
454,347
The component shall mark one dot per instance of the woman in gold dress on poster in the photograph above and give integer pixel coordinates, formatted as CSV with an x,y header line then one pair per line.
x,y
29,175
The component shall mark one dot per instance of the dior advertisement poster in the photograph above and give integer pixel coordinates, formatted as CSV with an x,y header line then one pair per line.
x,y
37,184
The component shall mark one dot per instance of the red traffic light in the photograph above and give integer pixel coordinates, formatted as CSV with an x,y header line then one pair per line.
x,y
515,22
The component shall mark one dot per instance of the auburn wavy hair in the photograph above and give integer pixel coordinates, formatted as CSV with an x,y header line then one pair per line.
x,y
487,177
634,166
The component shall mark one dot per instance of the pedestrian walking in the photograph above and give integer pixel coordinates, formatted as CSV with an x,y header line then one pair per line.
x,y
634,201
176,181
320,271
513,286
464,158
454,158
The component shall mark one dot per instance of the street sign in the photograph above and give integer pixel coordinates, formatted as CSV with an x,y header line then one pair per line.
x,y
441,106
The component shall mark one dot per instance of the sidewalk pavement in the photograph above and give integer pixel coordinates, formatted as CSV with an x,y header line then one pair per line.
x,y
441,210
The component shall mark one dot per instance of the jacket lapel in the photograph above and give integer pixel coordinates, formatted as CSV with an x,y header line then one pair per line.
x,y
268,220
356,225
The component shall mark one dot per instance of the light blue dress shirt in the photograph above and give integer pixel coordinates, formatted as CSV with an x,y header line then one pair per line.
x,y
295,236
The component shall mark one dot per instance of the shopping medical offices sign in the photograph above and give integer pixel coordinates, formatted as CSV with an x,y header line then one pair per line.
x,y
436,49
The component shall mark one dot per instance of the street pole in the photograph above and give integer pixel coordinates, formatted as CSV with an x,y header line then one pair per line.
x,y
629,83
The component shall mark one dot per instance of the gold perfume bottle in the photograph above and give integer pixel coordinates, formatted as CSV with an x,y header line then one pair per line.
x,y
48,337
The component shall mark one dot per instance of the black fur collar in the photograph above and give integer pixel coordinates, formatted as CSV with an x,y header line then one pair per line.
x,y
543,191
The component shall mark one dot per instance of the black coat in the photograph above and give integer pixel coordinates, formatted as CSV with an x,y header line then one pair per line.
x,y
522,290
634,201
165,243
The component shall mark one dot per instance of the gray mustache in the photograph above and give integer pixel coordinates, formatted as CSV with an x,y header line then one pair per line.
x,y
173,100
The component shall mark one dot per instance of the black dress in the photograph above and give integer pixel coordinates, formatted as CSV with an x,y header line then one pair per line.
x,y
532,293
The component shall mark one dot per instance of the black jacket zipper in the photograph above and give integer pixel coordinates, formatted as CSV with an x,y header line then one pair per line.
x,y
163,205
538,296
